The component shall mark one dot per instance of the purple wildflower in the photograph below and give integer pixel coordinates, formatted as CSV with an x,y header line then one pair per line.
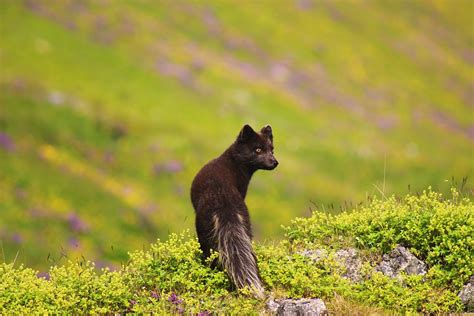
x,y
73,242
44,275
304,4
99,264
386,122
172,166
155,295
132,304
6,142
16,237
174,299
76,223
177,71
204,313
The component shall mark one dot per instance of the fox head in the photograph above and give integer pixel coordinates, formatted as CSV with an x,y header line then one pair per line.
x,y
255,150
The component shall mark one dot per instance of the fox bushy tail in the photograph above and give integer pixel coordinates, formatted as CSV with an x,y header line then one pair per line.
x,y
237,257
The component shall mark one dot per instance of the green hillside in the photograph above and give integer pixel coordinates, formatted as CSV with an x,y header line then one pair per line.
x,y
109,108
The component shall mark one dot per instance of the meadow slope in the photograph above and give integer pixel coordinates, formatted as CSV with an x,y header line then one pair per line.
x,y
109,108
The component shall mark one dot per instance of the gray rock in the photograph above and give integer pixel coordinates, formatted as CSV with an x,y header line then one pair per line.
x,y
272,305
315,255
401,260
349,258
298,307
467,295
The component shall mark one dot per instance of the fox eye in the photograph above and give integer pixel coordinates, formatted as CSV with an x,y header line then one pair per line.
x,y
258,150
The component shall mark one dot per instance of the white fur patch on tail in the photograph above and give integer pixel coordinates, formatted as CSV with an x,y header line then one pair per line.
x,y
236,255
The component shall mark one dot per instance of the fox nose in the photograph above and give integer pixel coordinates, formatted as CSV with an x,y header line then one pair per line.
x,y
275,162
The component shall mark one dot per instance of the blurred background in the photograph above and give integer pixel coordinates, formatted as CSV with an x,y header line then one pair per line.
x,y
109,108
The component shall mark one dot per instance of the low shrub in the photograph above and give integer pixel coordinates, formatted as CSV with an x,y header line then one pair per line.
x,y
73,288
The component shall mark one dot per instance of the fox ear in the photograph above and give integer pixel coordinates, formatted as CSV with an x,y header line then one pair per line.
x,y
246,133
267,131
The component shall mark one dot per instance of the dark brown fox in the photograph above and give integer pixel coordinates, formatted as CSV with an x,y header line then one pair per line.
x,y
222,219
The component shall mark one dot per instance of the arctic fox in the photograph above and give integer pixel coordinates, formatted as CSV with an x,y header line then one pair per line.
x,y
222,219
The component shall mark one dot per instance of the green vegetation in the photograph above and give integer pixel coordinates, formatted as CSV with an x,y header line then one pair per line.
x,y
109,108
436,231
169,277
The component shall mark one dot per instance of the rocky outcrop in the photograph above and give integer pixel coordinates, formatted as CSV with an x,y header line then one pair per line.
x,y
298,307
467,295
401,260
398,260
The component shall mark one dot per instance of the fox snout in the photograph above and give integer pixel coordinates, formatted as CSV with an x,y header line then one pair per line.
x,y
271,163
